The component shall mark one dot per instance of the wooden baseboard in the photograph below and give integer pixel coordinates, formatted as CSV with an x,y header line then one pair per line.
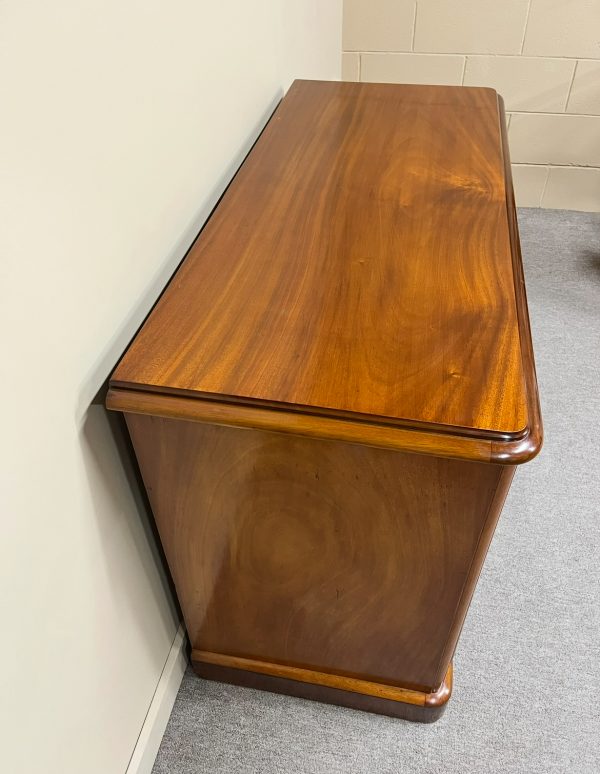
x,y
155,723
319,686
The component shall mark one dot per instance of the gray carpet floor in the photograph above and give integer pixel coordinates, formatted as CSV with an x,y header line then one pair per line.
x,y
527,688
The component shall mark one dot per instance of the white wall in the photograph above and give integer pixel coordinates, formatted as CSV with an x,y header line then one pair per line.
x,y
543,56
121,124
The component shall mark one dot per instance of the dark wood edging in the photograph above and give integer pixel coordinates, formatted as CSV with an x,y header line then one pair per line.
x,y
530,445
338,429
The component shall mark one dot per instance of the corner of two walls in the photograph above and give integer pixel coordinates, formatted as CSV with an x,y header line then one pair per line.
x,y
542,57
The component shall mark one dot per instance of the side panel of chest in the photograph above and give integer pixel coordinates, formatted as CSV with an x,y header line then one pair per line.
x,y
342,561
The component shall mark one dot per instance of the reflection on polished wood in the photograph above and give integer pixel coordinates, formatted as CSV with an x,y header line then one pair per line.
x,y
329,400
331,557
361,262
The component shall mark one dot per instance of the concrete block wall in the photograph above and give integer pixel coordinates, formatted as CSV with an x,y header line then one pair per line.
x,y
543,56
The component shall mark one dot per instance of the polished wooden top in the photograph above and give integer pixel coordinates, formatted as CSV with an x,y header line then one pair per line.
x,y
363,264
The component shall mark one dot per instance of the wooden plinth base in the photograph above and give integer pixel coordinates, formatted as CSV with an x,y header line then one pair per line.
x,y
331,689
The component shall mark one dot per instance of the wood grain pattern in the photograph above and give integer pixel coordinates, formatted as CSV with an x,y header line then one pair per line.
x,y
319,555
328,402
361,264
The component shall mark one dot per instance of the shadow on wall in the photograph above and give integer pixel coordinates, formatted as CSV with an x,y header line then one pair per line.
x,y
124,519
113,475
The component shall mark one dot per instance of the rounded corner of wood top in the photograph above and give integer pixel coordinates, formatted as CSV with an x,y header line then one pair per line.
x,y
520,451
438,699
492,92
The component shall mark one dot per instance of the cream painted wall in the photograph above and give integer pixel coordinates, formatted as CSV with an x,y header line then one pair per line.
x,y
543,56
121,124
